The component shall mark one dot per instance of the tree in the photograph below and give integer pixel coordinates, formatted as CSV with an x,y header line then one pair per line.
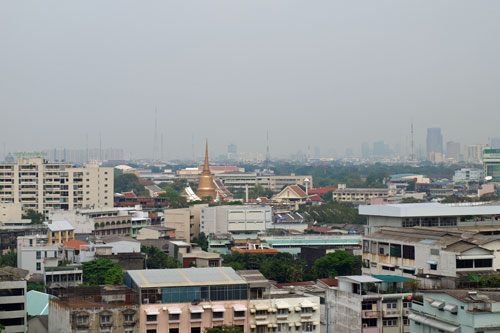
x,y
202,241
8,259
156,258
101,271
335,264
224,329
34,216
129,182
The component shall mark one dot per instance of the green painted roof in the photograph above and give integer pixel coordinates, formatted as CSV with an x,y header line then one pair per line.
x,y
37,303
391,278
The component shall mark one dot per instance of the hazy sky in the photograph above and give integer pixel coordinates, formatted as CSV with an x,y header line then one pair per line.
x,y
321,73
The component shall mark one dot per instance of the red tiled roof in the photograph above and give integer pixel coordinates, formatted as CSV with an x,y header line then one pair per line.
x,y
298,190
129,195
330,282
74,243
146,182
256,251
322,190
315,198
303,283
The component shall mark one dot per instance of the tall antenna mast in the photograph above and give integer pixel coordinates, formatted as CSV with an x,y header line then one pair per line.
x,y
100,146
412,156
155,140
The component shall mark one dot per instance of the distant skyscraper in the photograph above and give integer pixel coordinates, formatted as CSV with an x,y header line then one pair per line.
x,y
365,150
453,150
495,143
434,141
232,151
317,152
380,149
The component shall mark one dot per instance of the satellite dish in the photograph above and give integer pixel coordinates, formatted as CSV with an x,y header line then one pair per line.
x,y
488,178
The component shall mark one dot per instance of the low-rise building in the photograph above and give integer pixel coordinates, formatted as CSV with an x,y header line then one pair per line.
x,y
59,232
294,244
156,232
466,175
105,309
12,303
238,220
437,258
358,195
189,300
185,221
359,304
189,255
456,311
481,217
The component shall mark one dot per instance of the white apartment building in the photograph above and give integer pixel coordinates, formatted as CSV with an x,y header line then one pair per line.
x,y
285,312
42,186
235,219
465,175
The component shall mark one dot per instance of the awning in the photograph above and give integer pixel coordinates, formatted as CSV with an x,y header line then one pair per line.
x,y
298,324
434,323
152,311
196,309
174,310
453,308
218,308
306,320
432,262
252,326
239,307
391,278
262,323
306,304
388,265
486,256
438,304
407,268
261,307
282,305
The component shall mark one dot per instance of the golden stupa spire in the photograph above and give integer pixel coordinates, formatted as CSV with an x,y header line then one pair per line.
x,y
206,187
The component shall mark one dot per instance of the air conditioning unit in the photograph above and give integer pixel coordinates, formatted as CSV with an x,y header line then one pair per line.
x,y
146,301
365,325
420,271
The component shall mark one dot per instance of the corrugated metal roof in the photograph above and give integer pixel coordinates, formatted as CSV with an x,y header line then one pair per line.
x,y
430,209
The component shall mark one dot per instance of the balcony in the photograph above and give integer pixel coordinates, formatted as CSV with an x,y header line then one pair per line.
x,y
370,314
391,313
371,330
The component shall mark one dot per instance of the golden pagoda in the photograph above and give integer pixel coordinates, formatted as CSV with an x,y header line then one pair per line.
x,y
206,186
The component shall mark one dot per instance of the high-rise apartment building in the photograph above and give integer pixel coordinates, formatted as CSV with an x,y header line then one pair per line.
x,y
41,186
453,151
475,153
434,141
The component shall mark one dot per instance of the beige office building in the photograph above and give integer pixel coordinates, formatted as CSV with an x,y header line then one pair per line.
x,y
185,221
43,186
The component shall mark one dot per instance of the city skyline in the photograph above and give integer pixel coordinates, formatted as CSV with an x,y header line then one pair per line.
x,y
324,73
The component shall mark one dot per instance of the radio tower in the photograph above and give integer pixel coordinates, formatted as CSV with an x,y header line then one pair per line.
x,y
155,140
412,143
268,155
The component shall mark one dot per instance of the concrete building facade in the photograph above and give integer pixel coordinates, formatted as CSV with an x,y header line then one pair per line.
x,y
185,221
12,303
42,186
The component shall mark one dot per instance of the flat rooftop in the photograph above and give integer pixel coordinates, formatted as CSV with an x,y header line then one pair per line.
x,y
430,209
154,278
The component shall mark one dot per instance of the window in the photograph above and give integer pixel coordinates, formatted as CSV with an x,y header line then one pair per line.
x,y
406,322
38,255
465,263
307,327
435,252
217,315
82,320
433,267
196,316
128,317
390,322
151,331
151,318
307,310
173,330
195,329
368,305
283,327
406,304
106,318
38,266
391,304
483,262
282,312
409,252
239,314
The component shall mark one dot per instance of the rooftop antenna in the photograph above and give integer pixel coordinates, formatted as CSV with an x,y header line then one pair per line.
x,y
155,140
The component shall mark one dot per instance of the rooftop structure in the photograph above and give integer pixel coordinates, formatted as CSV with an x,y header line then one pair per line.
x,y
206,186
